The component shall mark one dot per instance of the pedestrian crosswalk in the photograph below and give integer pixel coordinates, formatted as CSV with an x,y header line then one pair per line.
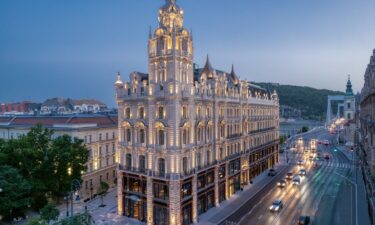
x,y
336,164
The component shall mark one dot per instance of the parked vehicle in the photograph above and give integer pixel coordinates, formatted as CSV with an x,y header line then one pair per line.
x,y
303,220
272,172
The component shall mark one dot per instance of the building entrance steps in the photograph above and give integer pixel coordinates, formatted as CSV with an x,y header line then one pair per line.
x,y
228,207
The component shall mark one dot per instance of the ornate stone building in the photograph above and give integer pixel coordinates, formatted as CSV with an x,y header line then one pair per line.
x,y
367,117
189,138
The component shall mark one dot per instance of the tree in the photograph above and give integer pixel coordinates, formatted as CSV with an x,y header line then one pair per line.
x,y
304,129
36,221
48,164
14,193
77,219
102,191
282,140
49,212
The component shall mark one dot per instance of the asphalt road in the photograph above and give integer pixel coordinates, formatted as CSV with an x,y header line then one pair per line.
x,y
324,194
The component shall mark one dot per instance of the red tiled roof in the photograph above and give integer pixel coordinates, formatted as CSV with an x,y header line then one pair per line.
x,y
49,121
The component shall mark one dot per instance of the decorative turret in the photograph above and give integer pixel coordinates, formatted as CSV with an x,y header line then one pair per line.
x,y
233,75
349,90
171,16
119,82
170,49
207,71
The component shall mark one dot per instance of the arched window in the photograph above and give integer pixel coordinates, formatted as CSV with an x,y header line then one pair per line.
x,y
142,163
141,112
128,162
161,112
184,136
128,135
127,113
161,137
198,160
142,136
161,166
184,112
208,157
185,165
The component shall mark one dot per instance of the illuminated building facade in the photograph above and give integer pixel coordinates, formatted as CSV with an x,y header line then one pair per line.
x,y
189,138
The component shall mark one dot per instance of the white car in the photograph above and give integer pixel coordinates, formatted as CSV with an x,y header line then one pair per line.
x,y
276,206
302,172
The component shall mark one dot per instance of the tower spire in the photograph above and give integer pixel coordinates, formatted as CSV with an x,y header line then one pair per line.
x,y
349,90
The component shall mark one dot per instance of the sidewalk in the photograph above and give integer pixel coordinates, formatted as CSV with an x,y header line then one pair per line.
x,y
101,215
218,214
358,179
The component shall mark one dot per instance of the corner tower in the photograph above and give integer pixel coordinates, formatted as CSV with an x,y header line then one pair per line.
x,y
170,49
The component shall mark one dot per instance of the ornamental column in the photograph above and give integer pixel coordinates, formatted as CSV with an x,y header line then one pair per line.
x,y
195,200
120,198
217,204
150,205
174,202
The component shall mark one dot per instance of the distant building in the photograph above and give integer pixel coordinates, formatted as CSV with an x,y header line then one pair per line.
x,y
189,137
19,108
99,134
62,106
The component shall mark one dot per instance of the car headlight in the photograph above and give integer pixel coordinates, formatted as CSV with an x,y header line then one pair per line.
x,y
278,183
270,208
277,208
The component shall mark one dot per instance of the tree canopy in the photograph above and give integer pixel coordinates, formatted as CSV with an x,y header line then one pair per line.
x,y
45,162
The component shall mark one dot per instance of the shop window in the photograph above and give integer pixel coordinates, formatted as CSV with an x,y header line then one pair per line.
x,y
186,189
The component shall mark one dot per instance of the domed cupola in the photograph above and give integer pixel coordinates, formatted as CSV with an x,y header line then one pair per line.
x,y
171,16
207,71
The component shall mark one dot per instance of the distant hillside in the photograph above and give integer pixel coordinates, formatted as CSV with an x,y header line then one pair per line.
x,y
310,101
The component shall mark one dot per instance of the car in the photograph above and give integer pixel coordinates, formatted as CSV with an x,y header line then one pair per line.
x,y
326,156
326,142
302,172
289,176
281,150
276,206
272,172
300,162
303,220
311,157
281,183
297,180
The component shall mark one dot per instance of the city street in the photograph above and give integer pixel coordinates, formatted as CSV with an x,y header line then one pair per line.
x,y
327,194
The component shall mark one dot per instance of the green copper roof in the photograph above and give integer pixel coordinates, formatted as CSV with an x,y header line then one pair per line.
x,y
349,90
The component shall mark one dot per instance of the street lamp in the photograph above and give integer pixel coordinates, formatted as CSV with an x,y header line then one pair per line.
x,y
74,186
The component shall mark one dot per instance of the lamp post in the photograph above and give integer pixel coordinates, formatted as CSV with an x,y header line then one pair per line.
x,y
66,198
74,186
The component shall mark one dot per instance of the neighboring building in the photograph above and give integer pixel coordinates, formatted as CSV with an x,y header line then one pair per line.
x,y
367,117
88,106
19,108
61,106
349,112
189,138
99,134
